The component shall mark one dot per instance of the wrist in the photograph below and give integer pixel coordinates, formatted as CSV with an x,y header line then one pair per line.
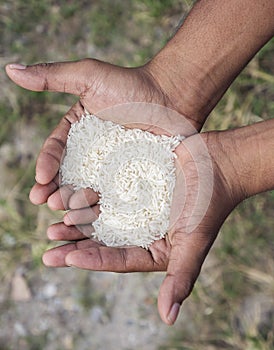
x,y
207,53
256,145
245,158
226,157
182,87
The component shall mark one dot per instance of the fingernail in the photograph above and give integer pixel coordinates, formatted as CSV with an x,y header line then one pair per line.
x,y
17,66
173,313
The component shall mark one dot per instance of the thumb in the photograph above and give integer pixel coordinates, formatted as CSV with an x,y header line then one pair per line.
x,y
186,259
70,77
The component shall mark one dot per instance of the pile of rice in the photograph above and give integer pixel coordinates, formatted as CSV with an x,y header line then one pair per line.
x,y
132,170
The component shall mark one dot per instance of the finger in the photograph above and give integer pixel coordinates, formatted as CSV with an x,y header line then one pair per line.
x,y
39,193
61,232
101,258
56,257
67,77
59,200
83,198
82,216
49,159
91,255
186,259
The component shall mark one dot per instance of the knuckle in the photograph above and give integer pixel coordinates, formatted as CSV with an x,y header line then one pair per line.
x,y
186,287
39,70
182,285
124,259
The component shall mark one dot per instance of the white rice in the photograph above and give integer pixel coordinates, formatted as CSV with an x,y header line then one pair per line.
x,y
134,173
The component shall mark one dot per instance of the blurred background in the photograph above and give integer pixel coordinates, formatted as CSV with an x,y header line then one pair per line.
x,y
232,305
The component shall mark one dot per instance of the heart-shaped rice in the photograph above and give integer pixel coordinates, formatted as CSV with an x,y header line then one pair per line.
x,y
132,170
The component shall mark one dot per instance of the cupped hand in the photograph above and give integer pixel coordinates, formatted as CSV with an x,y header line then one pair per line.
x,y
204,195
194,228
100,86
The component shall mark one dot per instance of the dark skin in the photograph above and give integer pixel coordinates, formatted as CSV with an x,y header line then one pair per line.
x,y
189,76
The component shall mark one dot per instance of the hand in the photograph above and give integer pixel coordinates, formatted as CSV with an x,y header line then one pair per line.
x,y
220,169
100,85
205,205
190,74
